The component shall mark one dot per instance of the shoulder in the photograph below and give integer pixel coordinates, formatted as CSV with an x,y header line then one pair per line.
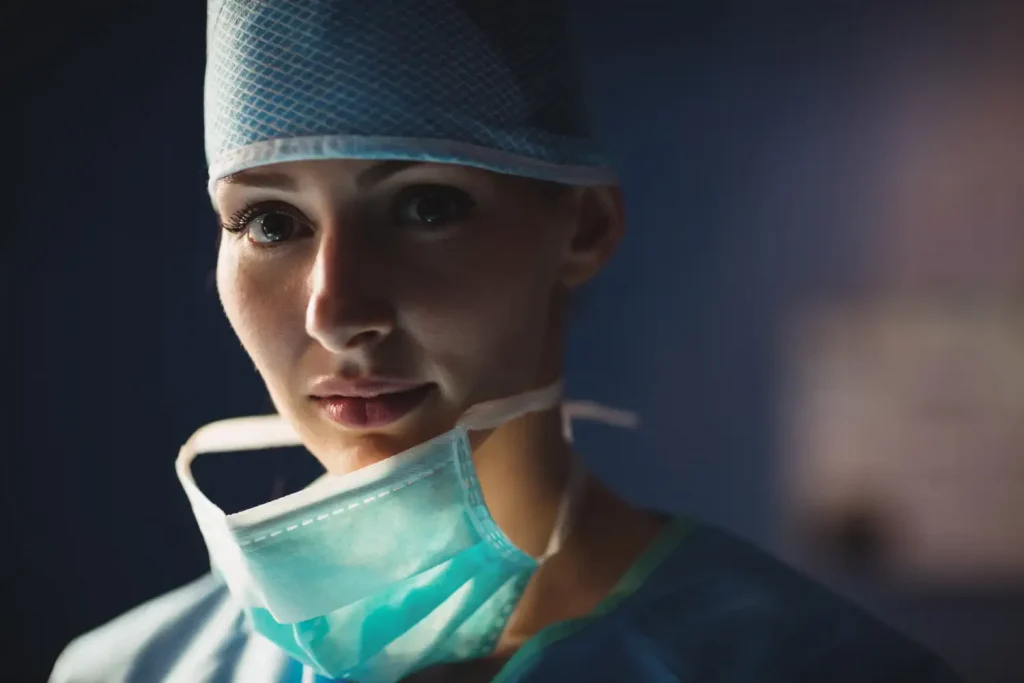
x,y
719,600
195,628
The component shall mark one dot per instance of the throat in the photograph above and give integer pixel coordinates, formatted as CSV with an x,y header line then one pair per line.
x,y
608,539
523,468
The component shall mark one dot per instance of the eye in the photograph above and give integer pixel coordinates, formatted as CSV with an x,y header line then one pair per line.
x,y
269,228
432,205
266,225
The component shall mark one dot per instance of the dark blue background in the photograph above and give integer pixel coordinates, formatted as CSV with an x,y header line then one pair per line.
x,y
737,134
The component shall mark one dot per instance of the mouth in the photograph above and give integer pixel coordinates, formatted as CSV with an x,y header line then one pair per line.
x,y
373,409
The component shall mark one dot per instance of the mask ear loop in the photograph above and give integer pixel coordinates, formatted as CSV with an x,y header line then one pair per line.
x,y
595,412
224,436
492,414
565,520
236,434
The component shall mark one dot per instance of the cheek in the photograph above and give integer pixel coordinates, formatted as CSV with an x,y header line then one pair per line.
x,y
484,323
264,306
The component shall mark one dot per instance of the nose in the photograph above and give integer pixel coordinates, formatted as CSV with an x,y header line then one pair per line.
x,y
348,306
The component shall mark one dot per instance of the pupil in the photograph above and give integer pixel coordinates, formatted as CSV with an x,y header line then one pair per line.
x,y
431,209
275,226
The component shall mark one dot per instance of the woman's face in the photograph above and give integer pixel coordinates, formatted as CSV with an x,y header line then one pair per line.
x,y
379,300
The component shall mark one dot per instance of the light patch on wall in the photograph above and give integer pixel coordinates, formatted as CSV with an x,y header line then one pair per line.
x,y
905,440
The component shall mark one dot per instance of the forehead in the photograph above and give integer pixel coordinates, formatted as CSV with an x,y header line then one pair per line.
x,y
290,175
362,174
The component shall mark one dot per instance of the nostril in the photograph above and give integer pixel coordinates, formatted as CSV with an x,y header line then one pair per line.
x,y
365,338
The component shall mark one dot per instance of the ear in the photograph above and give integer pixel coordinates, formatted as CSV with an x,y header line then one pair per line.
x,y
599,222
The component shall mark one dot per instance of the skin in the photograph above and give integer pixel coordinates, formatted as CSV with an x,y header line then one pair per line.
x,y
473,302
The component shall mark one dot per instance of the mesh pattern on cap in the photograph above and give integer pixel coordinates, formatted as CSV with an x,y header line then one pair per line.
x,y
479,82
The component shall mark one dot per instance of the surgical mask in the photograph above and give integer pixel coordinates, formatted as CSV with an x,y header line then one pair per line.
x,y
385,571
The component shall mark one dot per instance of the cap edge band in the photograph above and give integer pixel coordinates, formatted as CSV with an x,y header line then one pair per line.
x,y
405,149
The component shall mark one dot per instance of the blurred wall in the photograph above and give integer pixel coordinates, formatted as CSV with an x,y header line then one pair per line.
x,y
779,163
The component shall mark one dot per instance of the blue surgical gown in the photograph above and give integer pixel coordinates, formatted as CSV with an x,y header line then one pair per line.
x,y
699,606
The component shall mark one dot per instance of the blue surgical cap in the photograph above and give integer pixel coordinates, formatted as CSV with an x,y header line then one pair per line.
x,y
485,83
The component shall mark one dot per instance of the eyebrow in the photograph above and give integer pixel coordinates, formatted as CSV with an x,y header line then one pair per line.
x,y
261,179
372,175
382,171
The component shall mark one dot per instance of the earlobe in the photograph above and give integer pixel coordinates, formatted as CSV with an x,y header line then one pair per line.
x,y
599,225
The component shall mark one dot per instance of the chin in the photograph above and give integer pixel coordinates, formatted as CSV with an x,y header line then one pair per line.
x,y
354,452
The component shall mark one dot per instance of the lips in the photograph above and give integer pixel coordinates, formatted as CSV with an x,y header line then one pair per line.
x,y
372,406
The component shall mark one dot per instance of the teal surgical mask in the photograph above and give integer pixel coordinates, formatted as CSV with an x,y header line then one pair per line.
x,y
385,571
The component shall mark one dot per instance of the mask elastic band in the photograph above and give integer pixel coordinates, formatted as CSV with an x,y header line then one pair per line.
x,y
492,414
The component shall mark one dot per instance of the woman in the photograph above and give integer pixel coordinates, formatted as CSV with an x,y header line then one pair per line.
x,y
409,197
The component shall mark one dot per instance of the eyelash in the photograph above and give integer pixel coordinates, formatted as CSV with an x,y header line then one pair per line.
x,y
456,198
238,223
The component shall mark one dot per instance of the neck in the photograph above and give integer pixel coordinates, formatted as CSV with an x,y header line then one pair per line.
x,y
524,469
607,539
